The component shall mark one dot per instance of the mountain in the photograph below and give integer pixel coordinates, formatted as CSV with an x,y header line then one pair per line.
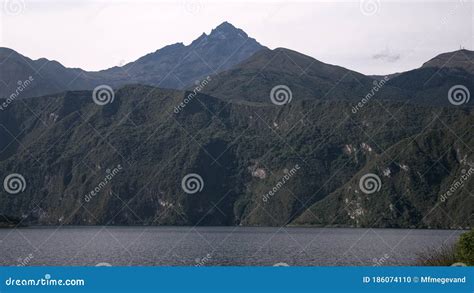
x,y
461,59
260,164
431,83
417,175
240,69
21,76
174,66
177,66
268,137
306,77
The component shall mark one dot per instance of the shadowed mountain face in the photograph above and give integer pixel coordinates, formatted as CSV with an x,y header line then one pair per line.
x,y
177,66
124,163
431,83
307,78
174,66
22,77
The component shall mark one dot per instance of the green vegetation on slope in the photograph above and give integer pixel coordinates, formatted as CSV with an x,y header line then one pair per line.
x,y
65,145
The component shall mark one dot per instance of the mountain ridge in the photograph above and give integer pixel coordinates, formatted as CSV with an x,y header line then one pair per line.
x,y
228,50
173,66
461,58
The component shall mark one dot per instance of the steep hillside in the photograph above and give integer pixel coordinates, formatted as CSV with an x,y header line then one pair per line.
x,y
424,181
431,83
123,163
306,77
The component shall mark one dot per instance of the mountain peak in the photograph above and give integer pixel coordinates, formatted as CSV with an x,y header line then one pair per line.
x,y
225,26
226,29
179,65
457,59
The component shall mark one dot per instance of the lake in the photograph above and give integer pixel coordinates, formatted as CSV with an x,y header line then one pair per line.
x,y
207,246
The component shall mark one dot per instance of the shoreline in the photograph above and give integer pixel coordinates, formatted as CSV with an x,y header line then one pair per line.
x,y
243,227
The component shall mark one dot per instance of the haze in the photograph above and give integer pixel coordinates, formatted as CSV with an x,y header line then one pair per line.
x,y
372,37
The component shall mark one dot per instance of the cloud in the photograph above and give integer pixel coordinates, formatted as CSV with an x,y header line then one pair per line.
x,y
387,56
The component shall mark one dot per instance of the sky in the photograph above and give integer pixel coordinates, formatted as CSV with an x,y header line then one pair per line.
x,y
368,36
